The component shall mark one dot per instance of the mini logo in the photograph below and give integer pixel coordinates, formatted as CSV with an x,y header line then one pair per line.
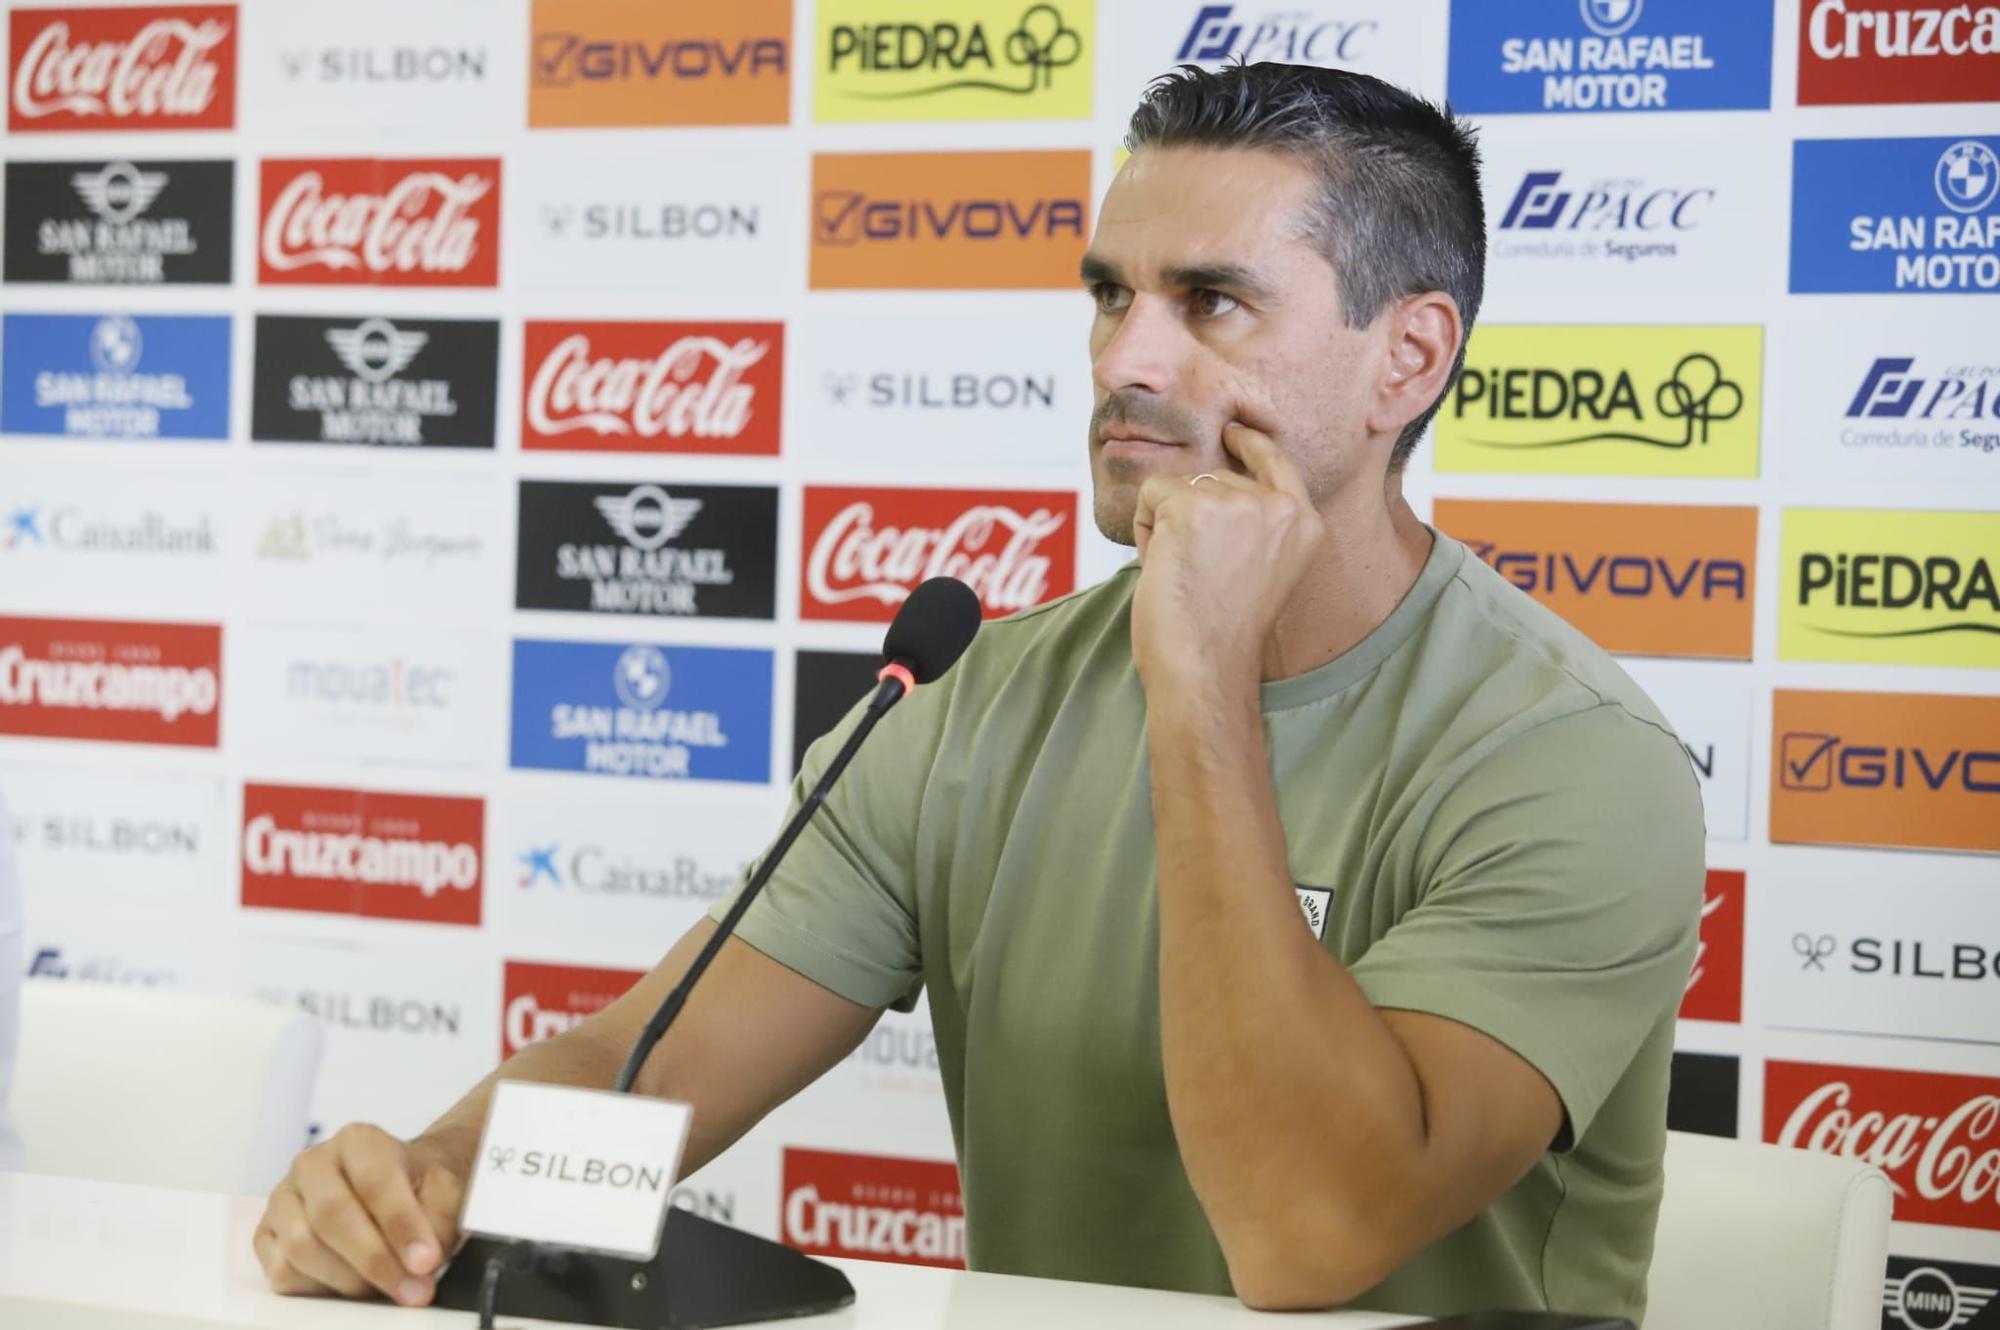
x,y
603,62
653,387
873,1207
1912,215
120,191
123,68
357,222
541,1001
119,222
103,680
1316,903
385,856
706,551
1882,51
991,59
408,382
1938,1295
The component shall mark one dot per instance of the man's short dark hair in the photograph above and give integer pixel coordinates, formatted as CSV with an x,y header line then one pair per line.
x,y
1398,210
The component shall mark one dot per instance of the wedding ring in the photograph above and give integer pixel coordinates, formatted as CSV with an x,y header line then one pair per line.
x,y
1196,480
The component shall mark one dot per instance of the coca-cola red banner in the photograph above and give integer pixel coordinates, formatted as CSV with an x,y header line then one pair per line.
x,y
361,221
154,67
652,387
1936,1135
541,1001
867,549
381,856
157,683
874,1207
1715,985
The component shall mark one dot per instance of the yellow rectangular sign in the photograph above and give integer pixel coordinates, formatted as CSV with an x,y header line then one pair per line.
x,y
1890,588
1605,400
877,60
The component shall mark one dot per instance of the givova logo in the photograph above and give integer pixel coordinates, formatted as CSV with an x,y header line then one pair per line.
x,y
965,60
1605,401
115,376
1891,588
664,713
1610,55
1916,215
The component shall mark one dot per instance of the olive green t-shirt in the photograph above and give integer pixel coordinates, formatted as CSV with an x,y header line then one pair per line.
x,y
1485,818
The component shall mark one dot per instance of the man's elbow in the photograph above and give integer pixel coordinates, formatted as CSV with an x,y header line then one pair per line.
x,y
1301,1269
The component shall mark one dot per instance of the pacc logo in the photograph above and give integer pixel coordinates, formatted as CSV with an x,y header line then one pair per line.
x,y
1629,220
1610,55
698,550
373,380
666,713
369,222
1640,579
1876,586
991,60
138,223
98,679
1715,985
653,387
605,62
381,856
873,1207
541,1001
867,549
1875,51
1893,388
1219,33
1638,401
1919,771
948,221
124,68
54,963
1914,215
1925,1294
115,376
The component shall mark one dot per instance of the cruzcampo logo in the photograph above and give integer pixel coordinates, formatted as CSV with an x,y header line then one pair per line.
x,y
1608,400
1890,588
953,60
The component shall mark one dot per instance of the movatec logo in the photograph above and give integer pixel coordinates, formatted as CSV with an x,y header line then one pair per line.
x,y
665,713
115,376
375,380
1610,55
967,60
1921,1293
119,222
1873,586
1914,215
696,550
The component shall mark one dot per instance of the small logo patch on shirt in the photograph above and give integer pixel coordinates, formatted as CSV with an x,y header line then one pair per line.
x,y
1315,903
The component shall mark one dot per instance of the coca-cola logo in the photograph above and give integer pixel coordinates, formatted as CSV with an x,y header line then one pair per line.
x,y
541,1001
873,1207
1715,984
652,387
392,856
1936,1135
157,67
384,223
866,550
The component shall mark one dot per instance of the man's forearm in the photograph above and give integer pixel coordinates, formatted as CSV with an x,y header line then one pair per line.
x,y
579,1055
1298,1114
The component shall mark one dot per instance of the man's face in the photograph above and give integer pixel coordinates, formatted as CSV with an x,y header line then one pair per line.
x,y
1212,305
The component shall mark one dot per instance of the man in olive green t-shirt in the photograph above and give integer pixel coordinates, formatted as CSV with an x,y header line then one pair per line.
x,y
1303,912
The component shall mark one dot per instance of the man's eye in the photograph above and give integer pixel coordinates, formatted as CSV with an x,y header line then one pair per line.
x,y
1110,296
1208,304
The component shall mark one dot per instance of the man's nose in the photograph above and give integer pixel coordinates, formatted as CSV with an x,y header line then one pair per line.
x,y
1144,351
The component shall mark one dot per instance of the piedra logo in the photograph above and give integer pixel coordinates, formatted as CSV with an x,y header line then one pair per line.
x,y
979,59
1876,586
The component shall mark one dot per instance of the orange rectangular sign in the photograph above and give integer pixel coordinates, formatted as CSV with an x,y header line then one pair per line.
x,y
1914,770
949,221
642,62
1637,579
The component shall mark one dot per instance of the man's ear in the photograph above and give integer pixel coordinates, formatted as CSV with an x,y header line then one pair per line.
x,y
1422,337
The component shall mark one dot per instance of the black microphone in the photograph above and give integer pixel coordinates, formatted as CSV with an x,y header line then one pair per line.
x,y
929,634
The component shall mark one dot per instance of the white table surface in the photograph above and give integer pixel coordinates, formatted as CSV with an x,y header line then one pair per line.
x,y
78,1255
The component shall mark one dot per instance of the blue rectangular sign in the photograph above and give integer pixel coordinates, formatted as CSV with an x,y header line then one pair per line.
x,y
1911,215
639,709
1609,55
115,376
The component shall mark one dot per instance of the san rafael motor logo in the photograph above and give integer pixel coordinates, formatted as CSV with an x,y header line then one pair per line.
x,y
1906,215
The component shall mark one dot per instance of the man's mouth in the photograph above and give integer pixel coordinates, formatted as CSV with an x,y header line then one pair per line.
x,y
1120,441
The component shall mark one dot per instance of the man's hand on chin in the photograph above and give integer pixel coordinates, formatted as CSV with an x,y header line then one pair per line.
x,y
1218,558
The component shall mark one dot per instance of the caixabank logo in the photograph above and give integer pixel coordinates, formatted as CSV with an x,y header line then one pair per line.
x,y
1715,984
364,221
115,376
1917,771
1610,55
374,380
965,221
1854,52
873,1207
612,63
1909,215
962,60
1638,579
1922,1293
155,683
652,387
122,68
143,223
1605,401
539,1001
1890,588
362,852
663,713
703,551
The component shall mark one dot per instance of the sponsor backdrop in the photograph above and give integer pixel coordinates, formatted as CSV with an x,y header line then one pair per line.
x,y
454,457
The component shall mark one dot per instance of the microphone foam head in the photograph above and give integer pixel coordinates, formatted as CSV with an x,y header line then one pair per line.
x,y
933,628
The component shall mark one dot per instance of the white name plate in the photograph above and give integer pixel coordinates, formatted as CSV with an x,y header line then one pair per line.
x,y
582,1169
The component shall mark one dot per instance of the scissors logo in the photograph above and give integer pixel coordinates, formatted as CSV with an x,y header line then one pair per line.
x,y
1813,951
499,1157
